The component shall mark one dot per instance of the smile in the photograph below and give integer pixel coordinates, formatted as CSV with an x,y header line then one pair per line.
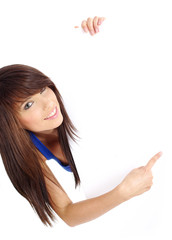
x,y
52,115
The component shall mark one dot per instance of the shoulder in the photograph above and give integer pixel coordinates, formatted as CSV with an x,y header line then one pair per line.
x,y
58,197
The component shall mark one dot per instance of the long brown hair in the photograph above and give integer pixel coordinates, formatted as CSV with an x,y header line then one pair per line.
x,y
20,156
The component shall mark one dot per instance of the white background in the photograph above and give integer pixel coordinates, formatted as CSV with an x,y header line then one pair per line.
x,y
116,87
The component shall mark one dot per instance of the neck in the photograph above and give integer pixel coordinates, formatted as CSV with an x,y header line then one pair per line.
x,y
48,136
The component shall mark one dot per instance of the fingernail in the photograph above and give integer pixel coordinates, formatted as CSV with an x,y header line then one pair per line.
x,y
97,30
92,32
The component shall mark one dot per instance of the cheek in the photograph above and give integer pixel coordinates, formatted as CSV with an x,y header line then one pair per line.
x,y
30,120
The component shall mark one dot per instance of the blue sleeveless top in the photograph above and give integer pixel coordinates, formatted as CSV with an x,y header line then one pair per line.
x,y
46,152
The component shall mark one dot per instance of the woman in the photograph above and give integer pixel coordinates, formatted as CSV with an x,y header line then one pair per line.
x,y
35,127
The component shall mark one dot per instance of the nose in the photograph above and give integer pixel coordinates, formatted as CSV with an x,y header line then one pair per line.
x,y
47,106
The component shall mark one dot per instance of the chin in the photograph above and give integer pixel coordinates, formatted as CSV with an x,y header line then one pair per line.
x,y
60,121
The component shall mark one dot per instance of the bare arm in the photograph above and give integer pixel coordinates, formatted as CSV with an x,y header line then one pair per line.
x,y
77,213
92,208
135,183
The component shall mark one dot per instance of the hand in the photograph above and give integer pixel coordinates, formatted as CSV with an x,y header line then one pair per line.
x,y
92,25
139,180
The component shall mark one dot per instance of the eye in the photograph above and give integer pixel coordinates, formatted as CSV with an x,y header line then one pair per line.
x,y
26,106
42,90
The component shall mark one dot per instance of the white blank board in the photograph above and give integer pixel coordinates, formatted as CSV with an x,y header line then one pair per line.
x,y
116,87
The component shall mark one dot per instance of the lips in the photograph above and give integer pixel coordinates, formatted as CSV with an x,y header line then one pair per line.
x,y
52,113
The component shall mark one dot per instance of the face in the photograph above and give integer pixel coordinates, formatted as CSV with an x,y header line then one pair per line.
x,y
34,112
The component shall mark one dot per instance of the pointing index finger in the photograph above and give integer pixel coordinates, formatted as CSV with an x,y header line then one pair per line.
x,y
153,160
